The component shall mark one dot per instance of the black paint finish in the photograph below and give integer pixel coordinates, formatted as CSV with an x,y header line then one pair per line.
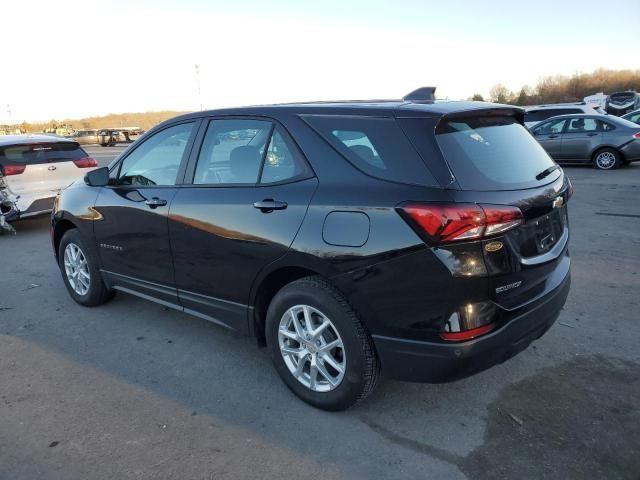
x,y
213,251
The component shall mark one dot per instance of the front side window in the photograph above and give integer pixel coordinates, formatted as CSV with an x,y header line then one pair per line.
x,y
581,125
157,160
550,128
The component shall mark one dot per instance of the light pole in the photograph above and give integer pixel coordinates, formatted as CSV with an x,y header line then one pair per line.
x,y
198,85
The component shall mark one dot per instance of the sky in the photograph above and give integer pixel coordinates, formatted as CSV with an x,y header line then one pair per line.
x,y
71,59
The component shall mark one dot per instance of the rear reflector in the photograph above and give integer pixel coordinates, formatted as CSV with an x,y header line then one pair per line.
x,y
467,334
12,169
444,223
86,162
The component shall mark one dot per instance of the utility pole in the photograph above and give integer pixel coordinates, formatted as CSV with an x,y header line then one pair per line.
x,y
198,85
9,114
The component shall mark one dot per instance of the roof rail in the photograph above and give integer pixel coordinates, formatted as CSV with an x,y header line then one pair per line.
x,y
422,94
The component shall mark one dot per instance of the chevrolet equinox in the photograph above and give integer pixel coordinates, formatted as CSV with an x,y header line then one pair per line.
x,y
415,239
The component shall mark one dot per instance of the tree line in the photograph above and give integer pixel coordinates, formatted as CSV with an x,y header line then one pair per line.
x,y
144,120
561,89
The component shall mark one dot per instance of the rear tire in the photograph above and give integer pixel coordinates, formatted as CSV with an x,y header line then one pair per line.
x,y
607,159
344,374
79,267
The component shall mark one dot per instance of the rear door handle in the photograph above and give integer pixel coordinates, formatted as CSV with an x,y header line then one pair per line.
x,y
591,134
155,202
269,205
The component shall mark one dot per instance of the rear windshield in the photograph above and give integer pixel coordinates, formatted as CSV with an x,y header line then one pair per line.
x,y
493,153
376,146
41,153
540,115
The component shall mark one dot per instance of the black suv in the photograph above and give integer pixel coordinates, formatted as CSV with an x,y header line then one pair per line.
x,y
419,239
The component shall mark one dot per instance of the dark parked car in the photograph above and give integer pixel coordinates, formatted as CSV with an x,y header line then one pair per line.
x,y
423,240
607,142
633,117
620,103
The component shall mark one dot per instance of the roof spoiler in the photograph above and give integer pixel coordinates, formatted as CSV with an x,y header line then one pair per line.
x,y
422,94
490,111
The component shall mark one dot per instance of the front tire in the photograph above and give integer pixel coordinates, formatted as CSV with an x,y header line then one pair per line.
x,y
79,267
607,159
319,346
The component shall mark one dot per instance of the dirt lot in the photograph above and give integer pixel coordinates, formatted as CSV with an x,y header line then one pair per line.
x,y
133,391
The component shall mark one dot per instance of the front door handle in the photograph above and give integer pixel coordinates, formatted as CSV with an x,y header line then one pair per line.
x,y
269,205
553,136
155,202
591,134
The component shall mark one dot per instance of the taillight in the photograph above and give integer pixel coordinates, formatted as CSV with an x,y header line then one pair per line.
x,y
637,136
86,162
12,169
453,222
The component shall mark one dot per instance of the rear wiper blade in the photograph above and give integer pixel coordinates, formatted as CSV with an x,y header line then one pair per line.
x,y
547,171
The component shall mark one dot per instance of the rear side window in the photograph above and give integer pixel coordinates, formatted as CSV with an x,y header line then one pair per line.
x,y
41,153
580,125
492,153
376,146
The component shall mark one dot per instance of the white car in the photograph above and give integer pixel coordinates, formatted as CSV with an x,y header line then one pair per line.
x,y
34,169
539,113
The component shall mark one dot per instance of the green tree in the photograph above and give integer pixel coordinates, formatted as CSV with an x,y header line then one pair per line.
x,y
477,97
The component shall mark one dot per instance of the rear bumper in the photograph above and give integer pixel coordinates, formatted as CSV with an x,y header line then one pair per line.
x,y
631,151
431,362
40,206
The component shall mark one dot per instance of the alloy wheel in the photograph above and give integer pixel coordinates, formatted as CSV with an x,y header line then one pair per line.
x,y
312,348
76,269
605,160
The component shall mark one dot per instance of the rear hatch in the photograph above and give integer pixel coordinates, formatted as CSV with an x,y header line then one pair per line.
x,y
495,161
43,168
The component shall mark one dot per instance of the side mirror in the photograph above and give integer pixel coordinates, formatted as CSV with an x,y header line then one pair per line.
x,y
97,178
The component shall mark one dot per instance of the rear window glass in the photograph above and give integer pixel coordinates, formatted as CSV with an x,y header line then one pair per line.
x,y
376,146
492,153
41,153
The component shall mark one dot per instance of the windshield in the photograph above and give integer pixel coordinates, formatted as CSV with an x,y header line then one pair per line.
x,y
493,153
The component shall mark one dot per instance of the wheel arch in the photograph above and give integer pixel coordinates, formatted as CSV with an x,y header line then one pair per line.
x,y
600,148
61,227
267,287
